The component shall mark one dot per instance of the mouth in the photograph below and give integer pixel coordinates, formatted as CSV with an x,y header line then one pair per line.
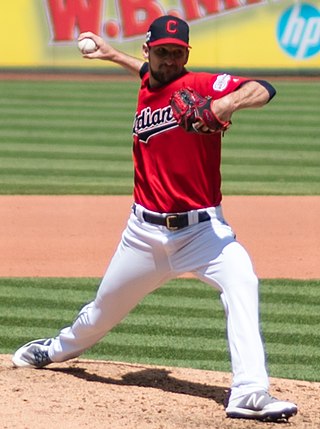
x,y
166,67
165,73
169,71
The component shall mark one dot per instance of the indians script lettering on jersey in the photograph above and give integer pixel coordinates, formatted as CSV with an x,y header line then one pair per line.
x,y
148,122
175,170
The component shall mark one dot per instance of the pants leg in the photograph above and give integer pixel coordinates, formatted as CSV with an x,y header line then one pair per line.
x,y
146,258
233,275
138,267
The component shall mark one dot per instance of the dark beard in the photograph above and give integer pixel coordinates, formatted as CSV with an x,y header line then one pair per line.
x,y
162,77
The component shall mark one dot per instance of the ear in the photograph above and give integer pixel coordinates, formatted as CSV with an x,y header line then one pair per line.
x,y
145,51
187,57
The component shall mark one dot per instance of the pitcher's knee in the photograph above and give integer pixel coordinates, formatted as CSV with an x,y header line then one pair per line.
x,y
250,280
241,283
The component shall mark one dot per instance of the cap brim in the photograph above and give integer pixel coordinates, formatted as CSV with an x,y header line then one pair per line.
x,y
169,41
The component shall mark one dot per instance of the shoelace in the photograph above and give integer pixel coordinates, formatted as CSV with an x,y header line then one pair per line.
x,y
41,356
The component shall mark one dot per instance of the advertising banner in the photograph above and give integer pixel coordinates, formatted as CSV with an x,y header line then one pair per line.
x,y
254,34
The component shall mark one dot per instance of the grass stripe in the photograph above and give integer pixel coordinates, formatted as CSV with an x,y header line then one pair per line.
x,y
260,158
111,170
269,188
69,138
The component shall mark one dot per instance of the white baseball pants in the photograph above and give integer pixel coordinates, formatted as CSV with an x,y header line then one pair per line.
x,y
149,255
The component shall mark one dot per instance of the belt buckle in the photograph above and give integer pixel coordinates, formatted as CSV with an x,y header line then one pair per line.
x,y
169,218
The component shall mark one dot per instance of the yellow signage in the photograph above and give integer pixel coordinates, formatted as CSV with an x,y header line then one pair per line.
x,y
274,34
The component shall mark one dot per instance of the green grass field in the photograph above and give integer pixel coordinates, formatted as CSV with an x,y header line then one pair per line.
x,y
181,324
59,137
75,138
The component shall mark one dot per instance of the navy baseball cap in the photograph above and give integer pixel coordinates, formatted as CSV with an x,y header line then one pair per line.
x,y
168,29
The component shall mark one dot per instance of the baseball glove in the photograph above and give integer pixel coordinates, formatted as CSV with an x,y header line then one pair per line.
x,y
189,107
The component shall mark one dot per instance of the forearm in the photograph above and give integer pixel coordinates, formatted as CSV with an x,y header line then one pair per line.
x,y
107,53
251,94
126,61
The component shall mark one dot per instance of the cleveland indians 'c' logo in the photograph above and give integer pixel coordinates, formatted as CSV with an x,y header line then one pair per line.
x,y
172,26
147,123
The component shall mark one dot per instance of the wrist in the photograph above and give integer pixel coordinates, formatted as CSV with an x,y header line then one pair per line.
x,y
223,108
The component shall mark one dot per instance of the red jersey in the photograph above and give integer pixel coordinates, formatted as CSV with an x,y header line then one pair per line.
x,y
175,170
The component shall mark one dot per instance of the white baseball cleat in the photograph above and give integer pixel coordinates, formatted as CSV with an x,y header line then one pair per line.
x,y
261,406
33,354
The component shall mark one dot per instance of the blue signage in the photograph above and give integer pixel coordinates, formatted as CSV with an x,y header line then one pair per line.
x,y
298,31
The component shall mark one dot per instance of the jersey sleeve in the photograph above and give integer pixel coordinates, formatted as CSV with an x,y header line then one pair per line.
x,y
144,70
271,90
223,84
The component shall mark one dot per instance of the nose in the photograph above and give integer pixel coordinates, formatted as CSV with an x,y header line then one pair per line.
x,y
170,58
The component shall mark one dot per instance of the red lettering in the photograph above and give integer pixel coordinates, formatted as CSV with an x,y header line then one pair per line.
x,y
137,15
70,15
192,8
172,26
230,4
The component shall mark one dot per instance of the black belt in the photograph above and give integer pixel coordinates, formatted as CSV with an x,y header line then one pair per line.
x,y
172,221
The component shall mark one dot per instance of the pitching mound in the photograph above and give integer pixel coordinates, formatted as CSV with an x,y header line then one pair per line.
x,y
86,394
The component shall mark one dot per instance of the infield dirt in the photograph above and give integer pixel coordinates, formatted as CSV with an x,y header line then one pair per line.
x,y
75,236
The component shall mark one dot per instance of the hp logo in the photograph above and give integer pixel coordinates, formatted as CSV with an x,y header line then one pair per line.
x,y
298,31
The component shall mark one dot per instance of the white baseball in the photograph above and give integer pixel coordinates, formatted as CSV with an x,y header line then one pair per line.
x,y
87,46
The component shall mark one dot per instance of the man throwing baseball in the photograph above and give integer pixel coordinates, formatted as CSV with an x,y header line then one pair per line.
x,y
177,224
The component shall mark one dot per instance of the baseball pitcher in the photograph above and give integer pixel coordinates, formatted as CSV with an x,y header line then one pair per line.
x,y
177,224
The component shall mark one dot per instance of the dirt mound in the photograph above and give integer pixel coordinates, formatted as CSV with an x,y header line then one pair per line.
x,y
84,394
